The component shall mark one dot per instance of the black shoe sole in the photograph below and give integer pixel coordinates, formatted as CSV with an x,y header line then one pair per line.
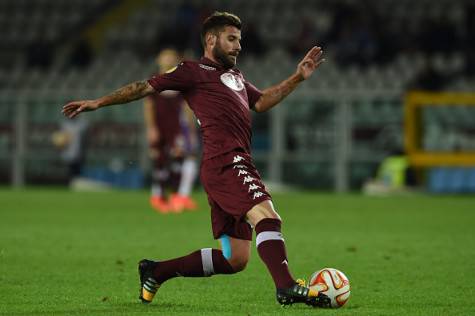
x,y
143,267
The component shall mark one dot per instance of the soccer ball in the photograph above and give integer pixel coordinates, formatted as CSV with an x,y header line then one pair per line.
x,y
333,283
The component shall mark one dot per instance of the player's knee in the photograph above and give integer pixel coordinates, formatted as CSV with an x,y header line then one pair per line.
x,y
238,263
263,210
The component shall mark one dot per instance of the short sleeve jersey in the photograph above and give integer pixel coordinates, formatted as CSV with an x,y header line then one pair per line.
x,y
167,110
221,100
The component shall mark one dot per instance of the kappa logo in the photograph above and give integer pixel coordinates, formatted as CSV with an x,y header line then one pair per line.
x,y
232,81
206,67
248,179
237,158
285,262
257,194
242,172
252,187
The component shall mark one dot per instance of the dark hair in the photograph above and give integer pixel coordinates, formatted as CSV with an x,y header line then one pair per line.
x,y
216,22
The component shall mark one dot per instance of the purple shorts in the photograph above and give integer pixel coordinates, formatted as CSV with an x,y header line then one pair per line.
x,y
234,187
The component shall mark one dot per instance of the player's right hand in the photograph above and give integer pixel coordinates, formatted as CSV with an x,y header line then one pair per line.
x,y
72,109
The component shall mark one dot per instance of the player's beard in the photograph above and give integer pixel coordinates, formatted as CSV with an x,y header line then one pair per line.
x,y
223,57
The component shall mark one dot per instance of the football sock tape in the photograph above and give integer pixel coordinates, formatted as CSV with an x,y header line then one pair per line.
x,y
226,246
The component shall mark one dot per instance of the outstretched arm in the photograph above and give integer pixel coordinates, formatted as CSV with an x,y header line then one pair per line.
x,y
128,93
273,95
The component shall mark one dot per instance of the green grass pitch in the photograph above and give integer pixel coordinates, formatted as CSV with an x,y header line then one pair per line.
x,y
64,253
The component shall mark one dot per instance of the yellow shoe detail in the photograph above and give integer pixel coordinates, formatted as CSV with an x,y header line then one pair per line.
x,y
311,292
147,295
300,282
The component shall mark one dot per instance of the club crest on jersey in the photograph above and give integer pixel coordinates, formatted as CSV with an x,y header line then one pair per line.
x,y
232,81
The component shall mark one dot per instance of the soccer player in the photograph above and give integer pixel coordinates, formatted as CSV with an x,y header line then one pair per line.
x,y
222,99
172,140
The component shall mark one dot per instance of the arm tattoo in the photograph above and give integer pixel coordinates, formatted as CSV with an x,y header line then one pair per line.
x,y
280,91
128,93
277,93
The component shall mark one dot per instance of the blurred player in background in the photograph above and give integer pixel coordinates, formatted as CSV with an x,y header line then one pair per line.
x,y
222,99
71,139
172,139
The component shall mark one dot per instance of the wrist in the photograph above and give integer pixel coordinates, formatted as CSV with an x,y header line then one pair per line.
x,y
99,102
298,77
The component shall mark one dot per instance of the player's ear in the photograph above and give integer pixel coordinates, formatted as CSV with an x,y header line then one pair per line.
x,y
211,39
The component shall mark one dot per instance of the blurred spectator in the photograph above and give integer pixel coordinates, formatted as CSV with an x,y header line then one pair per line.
x,y
180,33
305,39
469,43
40,54
438,35
470,62
356,44
353,33
428,79
81,55
251,41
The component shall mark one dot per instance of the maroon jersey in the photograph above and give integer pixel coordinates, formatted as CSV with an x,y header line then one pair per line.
x,y
221,100
167,111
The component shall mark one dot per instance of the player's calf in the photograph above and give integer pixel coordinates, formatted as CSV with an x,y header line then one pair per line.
x,y
201,263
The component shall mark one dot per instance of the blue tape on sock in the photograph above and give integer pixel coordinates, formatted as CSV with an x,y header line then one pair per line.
x,y
225,246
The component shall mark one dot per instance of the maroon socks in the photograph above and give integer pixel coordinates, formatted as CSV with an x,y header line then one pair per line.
x,y
271,248
207,261
201,263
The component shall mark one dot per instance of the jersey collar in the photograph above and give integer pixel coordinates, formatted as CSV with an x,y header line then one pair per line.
x,y
209,62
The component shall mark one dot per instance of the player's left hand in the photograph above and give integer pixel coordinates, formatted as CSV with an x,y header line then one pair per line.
x,y
310,62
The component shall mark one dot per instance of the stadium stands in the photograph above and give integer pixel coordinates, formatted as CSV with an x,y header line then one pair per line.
x,y
371,47
132,43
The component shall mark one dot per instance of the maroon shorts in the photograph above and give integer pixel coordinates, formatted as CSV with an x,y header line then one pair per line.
x,y
234,187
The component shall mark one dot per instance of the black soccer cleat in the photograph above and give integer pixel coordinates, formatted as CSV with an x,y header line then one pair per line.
x,y
148,285
299,293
